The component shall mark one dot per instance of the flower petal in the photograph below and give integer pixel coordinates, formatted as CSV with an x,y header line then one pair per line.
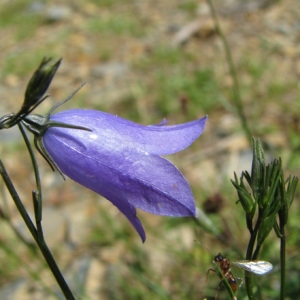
x,y
156,185
120,160
72,158
128,210
160,140
147,181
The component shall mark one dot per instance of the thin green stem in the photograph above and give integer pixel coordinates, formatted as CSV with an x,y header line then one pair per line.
x,y
249,256
282,263
30,245
41,243
5,215
38,214
17,201
256,252
236,87
37,203
248,276
224,280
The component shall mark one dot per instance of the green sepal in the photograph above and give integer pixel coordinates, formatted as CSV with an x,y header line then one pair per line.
x,y
257,170
265,228
244,196
34,94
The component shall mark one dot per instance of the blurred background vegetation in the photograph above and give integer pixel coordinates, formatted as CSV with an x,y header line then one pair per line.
x,y
145,61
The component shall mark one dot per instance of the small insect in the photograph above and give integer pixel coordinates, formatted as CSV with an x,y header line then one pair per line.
x,y
225,266
258,267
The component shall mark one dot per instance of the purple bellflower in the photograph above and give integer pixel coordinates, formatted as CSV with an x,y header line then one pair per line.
x,y
121,160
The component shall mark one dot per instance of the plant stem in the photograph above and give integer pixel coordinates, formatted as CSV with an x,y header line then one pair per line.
x,y
282,263
36,171
248,276
40,242
5,215
39,236
17,200
236,87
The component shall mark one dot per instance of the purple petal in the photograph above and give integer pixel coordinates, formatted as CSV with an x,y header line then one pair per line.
x,y
147,181
128,210
160,140
72,158
118,159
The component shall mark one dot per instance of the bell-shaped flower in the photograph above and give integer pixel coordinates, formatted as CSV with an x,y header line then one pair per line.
x,y
121,161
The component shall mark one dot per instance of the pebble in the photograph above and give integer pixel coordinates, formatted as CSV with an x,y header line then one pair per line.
x,y
109,70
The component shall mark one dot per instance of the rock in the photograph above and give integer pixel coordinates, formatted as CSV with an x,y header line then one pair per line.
x,y
109,70
57,13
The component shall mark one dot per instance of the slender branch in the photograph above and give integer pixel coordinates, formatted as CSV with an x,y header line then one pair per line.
x,y
236,87
17,201
248,276
249,256
224,280
40,242
282,263
5,215
36,170
39,238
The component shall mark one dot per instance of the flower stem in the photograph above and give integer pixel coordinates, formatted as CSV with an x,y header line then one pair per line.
x,y
36,232
40,242
282,263
223,280
236,88
248,276
249,256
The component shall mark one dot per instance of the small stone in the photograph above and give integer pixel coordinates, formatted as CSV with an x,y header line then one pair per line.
x,y
110,70
58,13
